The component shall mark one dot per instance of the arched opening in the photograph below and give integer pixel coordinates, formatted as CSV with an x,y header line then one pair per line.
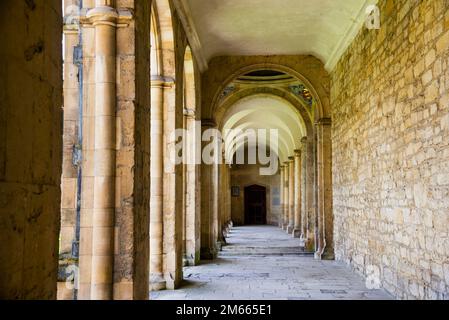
x,y
191,205
166,182
304,177
260,133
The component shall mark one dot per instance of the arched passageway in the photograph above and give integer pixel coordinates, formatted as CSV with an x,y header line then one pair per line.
x,y
356,170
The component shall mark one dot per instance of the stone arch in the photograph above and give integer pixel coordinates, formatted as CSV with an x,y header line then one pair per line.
x,y
316,145
162,23
221,109
191,205
165,253
275,67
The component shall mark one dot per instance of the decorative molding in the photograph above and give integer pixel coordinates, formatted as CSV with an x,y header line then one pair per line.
x,y
185,15
303,92
119,18
162,82
349,36
226,92
324,122
189,113
208,123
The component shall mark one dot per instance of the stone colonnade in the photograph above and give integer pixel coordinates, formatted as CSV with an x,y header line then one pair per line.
x,y
107,104
306,203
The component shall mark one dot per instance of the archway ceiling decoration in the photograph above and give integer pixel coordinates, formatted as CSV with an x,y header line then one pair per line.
x,y
263,111
323,28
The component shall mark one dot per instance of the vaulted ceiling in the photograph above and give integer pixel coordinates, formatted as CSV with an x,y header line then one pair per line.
x,y
264,112
323,28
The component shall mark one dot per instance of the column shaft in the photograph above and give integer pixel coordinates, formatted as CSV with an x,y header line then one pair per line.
x,y
157,281
304,210
281,190
208,250
291,195
191,206
104,155
325,217
286,196
297,195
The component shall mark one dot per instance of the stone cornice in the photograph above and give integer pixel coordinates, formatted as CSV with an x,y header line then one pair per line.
x,y
184,14
349,36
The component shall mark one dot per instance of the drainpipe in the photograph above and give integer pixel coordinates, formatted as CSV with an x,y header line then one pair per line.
x,y
77,150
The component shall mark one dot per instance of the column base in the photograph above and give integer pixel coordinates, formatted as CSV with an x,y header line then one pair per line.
x,y
190,261
290,229
285,226
157,283
296,233
208,254
218,245
327,254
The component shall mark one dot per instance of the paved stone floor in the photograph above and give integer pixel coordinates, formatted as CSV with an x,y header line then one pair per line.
x,y
264,263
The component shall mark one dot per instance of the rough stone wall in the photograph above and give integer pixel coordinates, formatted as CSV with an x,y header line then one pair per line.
x,y
390,113
243,176
30,147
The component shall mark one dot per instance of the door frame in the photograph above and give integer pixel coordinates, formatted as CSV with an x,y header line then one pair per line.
x,y
245,202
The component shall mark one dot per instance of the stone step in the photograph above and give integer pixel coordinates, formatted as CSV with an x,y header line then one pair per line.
x,y
262,251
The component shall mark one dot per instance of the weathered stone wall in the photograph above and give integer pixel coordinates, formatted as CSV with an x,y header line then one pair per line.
x,y
30,147
390,114
243,176
131,272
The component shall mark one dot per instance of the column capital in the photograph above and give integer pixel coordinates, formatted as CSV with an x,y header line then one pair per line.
x,y
304,140
106,15
324,122
298,153
190,113
162,82
208,123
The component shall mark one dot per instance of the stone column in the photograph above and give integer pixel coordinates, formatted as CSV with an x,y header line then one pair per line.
x,y
297,195
221,209
208,250
324,190
157,282
281,218
216,229
286,196
191,199
291,195
304,186
104,18
30,148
